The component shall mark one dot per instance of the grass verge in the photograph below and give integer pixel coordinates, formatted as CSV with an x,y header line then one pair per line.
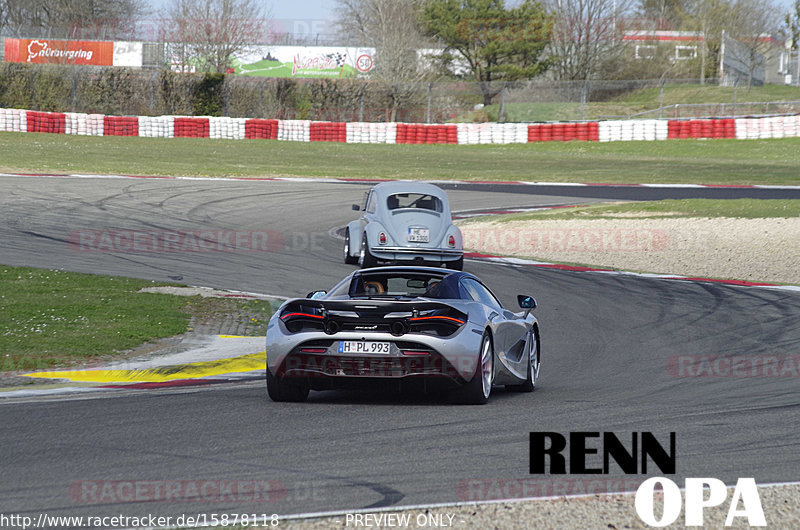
x,y
52,318
649,99
674,161
734,208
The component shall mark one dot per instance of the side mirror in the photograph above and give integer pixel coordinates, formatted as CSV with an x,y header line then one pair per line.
x,y
356,208
316,294
526,302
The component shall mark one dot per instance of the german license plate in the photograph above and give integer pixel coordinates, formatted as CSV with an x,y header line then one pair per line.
x,y
419,235
362,346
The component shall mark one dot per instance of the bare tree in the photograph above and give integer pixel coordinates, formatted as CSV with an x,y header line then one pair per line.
x,y
664,14
71,19
389,26
709,18
587,34
755,23
750,22
208,33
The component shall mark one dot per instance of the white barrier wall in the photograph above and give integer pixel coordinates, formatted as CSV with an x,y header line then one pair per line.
x,y
492,133
156,126
13,120
294,130
226,128
371,133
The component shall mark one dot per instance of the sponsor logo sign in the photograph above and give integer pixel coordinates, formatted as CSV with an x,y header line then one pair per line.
x,y
304,61
49,51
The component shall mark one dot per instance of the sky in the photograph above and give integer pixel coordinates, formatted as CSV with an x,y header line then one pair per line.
x,y
309,17
303,18
283,9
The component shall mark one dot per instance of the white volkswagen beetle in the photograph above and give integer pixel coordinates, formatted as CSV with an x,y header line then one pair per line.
x,y
404,221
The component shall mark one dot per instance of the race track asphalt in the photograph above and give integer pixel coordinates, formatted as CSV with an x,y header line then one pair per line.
x,y
608,345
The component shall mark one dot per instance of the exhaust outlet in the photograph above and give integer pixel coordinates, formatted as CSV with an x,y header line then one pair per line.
x,y
398,328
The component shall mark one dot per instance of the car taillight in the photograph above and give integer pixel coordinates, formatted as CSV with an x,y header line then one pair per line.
x,y
451,241
382,238
416,352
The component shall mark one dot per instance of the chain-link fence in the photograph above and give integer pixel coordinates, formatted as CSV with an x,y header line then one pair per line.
x,y
141,92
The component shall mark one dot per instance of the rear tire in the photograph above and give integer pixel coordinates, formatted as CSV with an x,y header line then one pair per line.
x,y
367,259
479,388
350,260
282,391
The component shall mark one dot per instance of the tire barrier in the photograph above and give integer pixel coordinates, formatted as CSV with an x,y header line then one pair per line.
x,y
371,133
156,126
87,124
414,133
765,128
261,129
492,133
47,122
324,131
564,132
13,120
18,120
120,126
713,128
632,130
294,130
191,127
227,128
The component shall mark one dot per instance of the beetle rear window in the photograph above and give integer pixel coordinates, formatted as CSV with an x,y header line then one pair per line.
x,y
414,200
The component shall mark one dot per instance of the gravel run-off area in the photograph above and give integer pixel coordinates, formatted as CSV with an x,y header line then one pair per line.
x,y
756,250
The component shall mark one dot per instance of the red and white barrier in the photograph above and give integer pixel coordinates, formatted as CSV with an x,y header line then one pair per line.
x,y
156,126
261,129
85,124
294,130
492,133
371,133
13,120
17,120
227,128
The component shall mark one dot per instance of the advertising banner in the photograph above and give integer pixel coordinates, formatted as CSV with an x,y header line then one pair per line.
x,y
304,61
128,54
49,51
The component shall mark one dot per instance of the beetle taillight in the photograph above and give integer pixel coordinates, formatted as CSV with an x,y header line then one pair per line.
x,y
382,238
451,241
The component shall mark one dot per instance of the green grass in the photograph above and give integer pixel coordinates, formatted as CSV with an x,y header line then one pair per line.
x,y
51,318
643,100
675,161
684,94
735,208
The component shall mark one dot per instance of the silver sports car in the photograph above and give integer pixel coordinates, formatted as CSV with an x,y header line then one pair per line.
x,y
404,221
407,326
